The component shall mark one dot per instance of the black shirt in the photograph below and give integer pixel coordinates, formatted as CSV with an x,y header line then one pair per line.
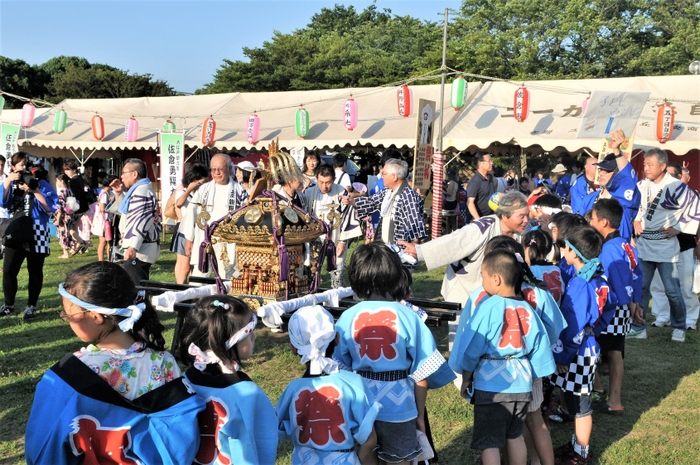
x,y
481,188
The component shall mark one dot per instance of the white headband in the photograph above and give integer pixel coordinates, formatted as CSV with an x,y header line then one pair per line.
x,y
132,312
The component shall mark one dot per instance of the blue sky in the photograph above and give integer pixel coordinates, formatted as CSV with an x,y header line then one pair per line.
x,y
182,42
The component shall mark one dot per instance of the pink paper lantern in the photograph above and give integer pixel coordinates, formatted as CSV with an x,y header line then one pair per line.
x,y
521,104
131,130
404,100
584,105
252,129
28,115
350,114
208,132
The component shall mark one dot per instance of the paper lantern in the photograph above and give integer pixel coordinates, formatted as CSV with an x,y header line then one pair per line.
x,y
28,114
350,114
664,122
208,132
59,121
98,127
584,105
404,99
168,126
459,93
252,129
131,130
521,104
2,103
302,123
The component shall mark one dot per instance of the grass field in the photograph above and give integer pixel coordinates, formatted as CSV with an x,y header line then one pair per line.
x,y
661,392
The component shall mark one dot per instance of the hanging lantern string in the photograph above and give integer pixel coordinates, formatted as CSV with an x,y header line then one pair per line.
x,y
427,76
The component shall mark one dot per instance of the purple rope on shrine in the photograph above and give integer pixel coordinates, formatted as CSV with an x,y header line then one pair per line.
x,y
279,240
213,262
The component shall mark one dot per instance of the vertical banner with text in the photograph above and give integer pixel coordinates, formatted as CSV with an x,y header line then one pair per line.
x,y
172,163
8,135
423,155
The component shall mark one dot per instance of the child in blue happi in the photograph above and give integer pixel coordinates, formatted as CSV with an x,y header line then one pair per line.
x,y
621,264
239,424
390,347
327,412
121,399
533,292
563,223
537,245
576,353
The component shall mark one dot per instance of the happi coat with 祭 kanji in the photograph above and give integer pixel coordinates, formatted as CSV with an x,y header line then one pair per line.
x,y
77,418
505,344
466,245
325,417
550,274
238,425
383,336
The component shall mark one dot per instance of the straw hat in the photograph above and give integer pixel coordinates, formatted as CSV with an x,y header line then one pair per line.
x,y
559,168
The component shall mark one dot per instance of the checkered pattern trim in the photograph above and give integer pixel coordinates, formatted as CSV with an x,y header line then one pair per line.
x,y
409,223
579,378
621,322
430,366
42,238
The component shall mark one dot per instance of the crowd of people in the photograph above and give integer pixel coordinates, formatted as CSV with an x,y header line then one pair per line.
x,y
551,283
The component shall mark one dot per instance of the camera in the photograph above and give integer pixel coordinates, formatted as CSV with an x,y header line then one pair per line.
x,y
27,178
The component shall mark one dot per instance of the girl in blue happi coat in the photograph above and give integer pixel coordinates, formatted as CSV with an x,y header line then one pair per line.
x,y
239,424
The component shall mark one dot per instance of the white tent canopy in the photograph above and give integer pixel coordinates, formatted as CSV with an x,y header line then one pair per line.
x,y
378,121
555,114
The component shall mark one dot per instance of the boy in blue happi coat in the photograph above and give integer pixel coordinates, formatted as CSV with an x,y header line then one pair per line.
x,y
586,300
504,346
621,264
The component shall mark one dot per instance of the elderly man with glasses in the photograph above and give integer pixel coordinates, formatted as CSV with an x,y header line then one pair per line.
x,y
211,202
140,224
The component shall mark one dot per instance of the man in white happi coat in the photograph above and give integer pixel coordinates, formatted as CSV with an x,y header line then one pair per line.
x,y
211,202
323,200
668,208
659,302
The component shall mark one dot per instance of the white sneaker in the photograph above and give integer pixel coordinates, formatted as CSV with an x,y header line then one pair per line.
x,y
678,335
661,323
637,334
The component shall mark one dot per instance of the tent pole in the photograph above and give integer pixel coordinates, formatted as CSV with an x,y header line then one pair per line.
x,y
442,79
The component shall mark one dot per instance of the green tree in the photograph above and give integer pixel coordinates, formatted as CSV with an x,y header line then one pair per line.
x,y
338,48
20,78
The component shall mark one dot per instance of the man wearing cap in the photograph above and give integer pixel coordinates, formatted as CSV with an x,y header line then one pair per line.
x,y
211,202
618,181
562,184
668,208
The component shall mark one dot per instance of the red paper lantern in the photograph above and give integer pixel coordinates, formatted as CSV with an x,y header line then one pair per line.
x,y
665,116
208,132
521,104
404,100
98,127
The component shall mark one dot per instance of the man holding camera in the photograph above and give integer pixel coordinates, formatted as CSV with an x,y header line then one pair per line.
x,y
26,234
140,224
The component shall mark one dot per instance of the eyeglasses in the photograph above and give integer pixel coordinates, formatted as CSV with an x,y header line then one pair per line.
x,y
66,317
216,170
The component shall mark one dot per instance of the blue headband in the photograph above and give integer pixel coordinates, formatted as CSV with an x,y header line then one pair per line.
x,y
132,312
589,266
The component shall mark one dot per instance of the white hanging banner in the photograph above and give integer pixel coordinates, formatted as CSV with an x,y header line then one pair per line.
x,y
611,110
298,156
172,163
